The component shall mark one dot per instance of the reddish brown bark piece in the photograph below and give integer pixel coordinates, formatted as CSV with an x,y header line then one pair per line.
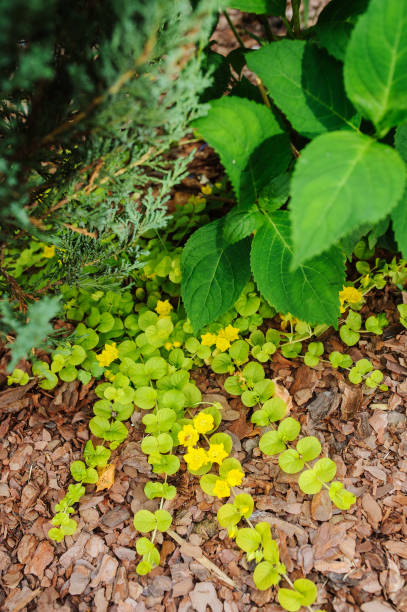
x,y
43,556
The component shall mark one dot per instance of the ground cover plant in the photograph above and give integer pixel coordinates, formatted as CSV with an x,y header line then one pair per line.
x,y
226,292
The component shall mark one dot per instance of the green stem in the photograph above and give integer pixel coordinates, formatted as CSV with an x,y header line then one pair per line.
x,y
235,32
269,34
287,24
296,21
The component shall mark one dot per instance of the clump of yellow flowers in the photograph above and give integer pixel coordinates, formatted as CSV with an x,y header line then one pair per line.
x,y
223,339
198,457
109,354
349,295
163,308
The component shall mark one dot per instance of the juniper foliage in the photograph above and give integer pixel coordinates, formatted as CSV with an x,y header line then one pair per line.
x,y
95,95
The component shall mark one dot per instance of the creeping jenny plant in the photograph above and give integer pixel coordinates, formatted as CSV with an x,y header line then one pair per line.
x,y
141,347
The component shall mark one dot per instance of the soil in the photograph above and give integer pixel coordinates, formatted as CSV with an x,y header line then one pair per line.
x,y
357,558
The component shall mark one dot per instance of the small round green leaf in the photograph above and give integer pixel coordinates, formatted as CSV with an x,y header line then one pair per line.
x,y
144,521
271,443
248,539
309,448
290,461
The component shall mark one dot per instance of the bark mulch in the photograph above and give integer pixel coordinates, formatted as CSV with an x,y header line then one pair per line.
x,y
358,558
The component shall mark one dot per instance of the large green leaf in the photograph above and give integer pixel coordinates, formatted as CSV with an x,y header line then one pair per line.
x,y
213,273
249,141
306,84
335,25
399,214
376,64
341,181
310,292
269,7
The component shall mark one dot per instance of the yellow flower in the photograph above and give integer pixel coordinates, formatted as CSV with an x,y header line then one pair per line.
x,y
48,252
177,344
208,339
218,185
163,308
234,478
168,345
222,343
188,436
195,458
217,453
109,375
230,332
109,354
221,488
350,295
206,189
286,319
203,422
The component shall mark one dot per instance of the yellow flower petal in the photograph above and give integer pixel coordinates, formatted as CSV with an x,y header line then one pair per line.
x,y
208,339
217,453
163,308
203,422
234,478
188,436
222,343
195,458
221,488
49,251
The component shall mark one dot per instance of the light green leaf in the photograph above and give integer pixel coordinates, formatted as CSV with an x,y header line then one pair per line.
x,y
289,600
229,464
309,448
213,273
228,516
290,461
364,366
341,181
289,429
78,470
309,482
376,64
271,444
144,546
207,483
164,520
348,336
144,521
248,539
291,71
145,397
239,351
253,373
265,575
340,360
259,417
250,142
325,469
311,292
275,408
244,503
307,589
222,363
342,498
222,438
233,385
